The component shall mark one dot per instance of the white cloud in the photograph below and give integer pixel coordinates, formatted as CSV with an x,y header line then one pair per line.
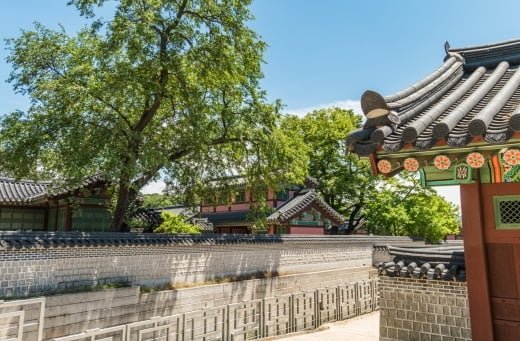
x,y
154,187
344,104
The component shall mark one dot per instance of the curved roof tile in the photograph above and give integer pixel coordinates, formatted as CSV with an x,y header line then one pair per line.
x,y
475,93
22,192
441,262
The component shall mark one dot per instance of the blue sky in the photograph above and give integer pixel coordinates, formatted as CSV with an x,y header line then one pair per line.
x,y
324,52
332,50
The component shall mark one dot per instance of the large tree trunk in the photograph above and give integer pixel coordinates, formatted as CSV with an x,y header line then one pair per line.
x,y
119,223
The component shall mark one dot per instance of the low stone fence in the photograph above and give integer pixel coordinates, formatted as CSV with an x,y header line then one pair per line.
x,y
44,263
243,310
423,309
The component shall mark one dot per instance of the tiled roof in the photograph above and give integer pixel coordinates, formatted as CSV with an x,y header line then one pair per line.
x,y
41,240
300,202
20,192
23,192
441,262
473,96
226,218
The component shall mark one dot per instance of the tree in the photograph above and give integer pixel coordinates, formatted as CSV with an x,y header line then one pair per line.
x,y
395,206
173,223
167,88
385,214
431,217
156,200
401,207
258,212
344,180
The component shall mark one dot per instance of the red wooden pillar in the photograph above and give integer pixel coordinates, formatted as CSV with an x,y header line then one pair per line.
x,y
476,264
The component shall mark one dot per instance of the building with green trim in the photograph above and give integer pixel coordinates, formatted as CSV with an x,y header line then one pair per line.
x,y
27,205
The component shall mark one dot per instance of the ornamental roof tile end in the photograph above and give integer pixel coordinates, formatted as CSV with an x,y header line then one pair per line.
x,y
438,262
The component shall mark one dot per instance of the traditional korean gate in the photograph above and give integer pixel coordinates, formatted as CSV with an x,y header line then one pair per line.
x,y
493,258
465,131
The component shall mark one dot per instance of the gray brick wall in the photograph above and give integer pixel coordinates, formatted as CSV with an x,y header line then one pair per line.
x,y
39,270
421,309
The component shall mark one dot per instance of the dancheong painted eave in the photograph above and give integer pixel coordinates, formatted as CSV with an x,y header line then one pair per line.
x,y
471,100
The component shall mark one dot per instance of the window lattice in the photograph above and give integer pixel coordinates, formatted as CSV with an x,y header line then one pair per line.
x,y
509,211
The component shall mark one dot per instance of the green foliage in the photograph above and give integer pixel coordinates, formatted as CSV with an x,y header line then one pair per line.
x,y
389,207
431,217
344,180
385,215
156,200
402,207
163,89
258,213
173,223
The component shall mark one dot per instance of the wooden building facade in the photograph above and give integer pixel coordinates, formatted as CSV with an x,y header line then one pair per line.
x,y
27,205
461,125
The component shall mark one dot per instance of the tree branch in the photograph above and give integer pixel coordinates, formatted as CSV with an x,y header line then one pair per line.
x,y
201,17
176,155
96,97
150,112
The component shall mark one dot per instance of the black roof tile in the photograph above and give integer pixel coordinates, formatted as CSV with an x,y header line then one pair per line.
x,y
25,192
20,192
219,218
441,262
29,240
475,93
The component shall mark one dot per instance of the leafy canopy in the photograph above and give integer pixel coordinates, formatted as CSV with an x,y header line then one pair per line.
x,y
174,223
165,88
395,206
344,180
156,200
402,207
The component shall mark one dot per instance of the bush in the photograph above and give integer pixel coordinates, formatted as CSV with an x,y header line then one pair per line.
x,y
173,223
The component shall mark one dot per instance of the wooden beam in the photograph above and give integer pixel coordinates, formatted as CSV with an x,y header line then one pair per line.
x,y
476,264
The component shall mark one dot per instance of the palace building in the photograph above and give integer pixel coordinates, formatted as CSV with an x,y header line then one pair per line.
x,y
293,210
27,205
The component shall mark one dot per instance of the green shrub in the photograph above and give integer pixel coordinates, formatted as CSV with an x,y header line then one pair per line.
x,y
173,223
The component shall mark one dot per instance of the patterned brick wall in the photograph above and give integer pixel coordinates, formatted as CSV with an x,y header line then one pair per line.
x,y
241,310
421,309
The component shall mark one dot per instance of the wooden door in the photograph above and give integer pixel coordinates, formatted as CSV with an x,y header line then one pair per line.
x,y
492,247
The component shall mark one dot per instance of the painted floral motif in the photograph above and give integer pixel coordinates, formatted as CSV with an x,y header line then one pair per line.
x,y
384,166
411,164
475,160
442,162
512,157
